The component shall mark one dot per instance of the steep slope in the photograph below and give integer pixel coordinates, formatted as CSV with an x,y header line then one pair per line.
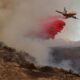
x,y
13,66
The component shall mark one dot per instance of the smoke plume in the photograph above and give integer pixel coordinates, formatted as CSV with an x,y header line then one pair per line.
x,y
20,23
21,30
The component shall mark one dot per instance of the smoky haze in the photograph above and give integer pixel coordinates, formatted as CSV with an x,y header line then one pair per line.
x,y
18,18
21,18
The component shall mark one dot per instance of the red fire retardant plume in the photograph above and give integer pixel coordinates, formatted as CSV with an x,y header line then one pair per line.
x,y
50,29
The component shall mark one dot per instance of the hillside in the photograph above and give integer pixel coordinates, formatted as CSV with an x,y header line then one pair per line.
x,y
13,66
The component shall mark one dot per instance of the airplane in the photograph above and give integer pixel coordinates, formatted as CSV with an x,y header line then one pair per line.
x,y
68,15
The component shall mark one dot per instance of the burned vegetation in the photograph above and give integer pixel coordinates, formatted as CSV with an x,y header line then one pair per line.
x,y
14,66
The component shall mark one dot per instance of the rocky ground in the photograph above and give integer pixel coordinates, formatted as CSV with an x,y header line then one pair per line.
x,y
13,66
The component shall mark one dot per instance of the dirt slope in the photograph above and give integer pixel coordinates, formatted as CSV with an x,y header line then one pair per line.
x,y
14,67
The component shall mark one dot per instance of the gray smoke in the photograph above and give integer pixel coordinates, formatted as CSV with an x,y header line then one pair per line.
x,y
19,24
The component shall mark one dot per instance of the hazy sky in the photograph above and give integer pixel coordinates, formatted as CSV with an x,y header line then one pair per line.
x,y
19,20
36,9
72,29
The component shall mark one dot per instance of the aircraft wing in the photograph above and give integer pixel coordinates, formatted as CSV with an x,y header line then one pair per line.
x,y
74,17
59,12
